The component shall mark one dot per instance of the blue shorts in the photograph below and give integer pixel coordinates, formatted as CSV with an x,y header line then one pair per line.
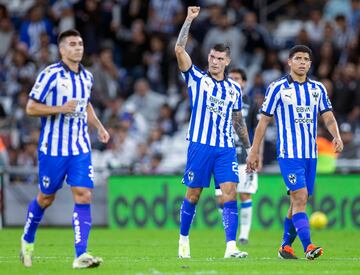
x,y
205,160
298,173
53,170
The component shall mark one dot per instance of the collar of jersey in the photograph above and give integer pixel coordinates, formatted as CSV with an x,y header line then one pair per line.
x,y
291,80
209,75
66,67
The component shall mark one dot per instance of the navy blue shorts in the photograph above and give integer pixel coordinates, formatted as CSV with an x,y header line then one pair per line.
x,y
205,160
298,173
53,170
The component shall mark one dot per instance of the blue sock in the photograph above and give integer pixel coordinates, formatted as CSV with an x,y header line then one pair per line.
x,y
187,213
81,224
33,218
301,223
230,220
289,232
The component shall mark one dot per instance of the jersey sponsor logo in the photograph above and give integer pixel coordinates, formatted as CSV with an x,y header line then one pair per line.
x,y
304,120
217,101
303,109
216,110
292,178
46,181
76,115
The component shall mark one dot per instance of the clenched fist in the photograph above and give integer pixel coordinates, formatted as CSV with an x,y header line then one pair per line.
x,y
69,107
193,12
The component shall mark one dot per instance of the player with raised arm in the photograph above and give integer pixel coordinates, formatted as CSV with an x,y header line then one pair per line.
x,y
248,182
296,100
61,98
214,100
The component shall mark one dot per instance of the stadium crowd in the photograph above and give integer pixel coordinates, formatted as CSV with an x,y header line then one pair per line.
x,y
138,92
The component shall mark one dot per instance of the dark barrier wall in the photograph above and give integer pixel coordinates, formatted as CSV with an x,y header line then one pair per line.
x,y
154,202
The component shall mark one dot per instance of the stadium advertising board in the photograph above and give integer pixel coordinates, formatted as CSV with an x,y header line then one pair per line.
x,y
154,202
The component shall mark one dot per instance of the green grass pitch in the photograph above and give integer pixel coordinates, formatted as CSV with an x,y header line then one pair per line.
x,y
144,251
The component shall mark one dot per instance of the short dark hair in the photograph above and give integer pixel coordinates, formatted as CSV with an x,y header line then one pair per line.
x,y
239,71
221,47
67,33
301,49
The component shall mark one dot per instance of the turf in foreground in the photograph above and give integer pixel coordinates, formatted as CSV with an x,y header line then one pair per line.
x,y
155,252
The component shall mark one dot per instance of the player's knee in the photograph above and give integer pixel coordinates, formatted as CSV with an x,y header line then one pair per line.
x,y
193,198
229,195
299,199
45,200
245,196
82,196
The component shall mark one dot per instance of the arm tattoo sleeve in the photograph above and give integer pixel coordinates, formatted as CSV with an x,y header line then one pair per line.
x,y
183,35
329,123
241,129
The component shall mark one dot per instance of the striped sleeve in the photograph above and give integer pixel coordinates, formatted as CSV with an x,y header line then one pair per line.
x,y
43,85
238,103
194,74
324,104
272,97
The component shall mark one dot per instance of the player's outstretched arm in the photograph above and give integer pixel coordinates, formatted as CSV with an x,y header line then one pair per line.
x,y
183,58
241,129
93,120
34,108
331,125
252,160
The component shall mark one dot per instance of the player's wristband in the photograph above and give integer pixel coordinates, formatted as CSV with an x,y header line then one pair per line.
x,y
247,151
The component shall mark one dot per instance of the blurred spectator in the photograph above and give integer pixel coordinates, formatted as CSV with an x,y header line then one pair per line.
x,y
122,152
201,27
325,63
133,46
343,31
351,146
154,59
88,23
166,120
33,27
326,162
224,32
107,78
154,166
146,101
256,45
315,26
18,69
165,16
6,32
346,100
64,14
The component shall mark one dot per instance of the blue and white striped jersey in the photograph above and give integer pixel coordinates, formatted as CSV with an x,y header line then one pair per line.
x,y
63,135
212,104
296,107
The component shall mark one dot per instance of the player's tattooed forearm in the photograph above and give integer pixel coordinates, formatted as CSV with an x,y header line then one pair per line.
x,y
241,129
330,122
184,33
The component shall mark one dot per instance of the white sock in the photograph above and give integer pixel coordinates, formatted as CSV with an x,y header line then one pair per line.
x,y
184,239
245,219
231,245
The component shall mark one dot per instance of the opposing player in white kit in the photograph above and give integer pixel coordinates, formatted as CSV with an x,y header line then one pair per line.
x,y
248,182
